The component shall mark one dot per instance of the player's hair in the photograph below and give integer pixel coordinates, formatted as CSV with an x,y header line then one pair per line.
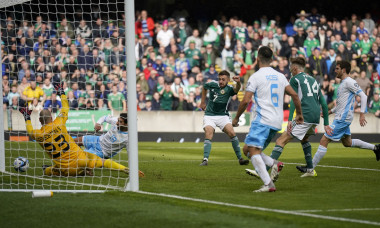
x,y
265,54
344,65
224,72
45,116
124,116
299,62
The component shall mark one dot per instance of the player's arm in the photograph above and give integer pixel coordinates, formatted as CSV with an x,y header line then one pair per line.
x,y
203,99
325,113
65,103
243,105
294,84
105,119
29,127
238,84
363,108
297,103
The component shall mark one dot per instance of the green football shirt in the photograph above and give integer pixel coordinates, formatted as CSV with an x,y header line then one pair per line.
x,y
309,93
219,98
116,101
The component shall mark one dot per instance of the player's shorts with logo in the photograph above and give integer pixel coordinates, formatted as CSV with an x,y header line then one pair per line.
x,y
92,145
299,131
340,130
260,135
216,121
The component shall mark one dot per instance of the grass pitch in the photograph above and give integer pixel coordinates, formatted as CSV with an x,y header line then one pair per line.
x,y
345,193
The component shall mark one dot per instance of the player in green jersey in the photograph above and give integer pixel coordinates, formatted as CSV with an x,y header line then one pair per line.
x,y
309,93
216,114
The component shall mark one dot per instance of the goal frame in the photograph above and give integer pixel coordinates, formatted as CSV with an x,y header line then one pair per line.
x,y
133,180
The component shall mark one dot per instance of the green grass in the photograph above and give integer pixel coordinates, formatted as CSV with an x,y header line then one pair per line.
x,y
173,168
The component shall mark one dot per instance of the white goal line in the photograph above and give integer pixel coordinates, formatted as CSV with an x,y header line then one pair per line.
x,y
296,213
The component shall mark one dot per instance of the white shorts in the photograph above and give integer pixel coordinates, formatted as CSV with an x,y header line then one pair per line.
x,y
299,131
216,121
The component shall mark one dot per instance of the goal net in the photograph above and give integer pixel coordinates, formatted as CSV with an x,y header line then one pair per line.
x,y
44,42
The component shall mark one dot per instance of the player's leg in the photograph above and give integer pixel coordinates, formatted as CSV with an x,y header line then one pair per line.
x,y
280,144
310,172
229,130
255,141
209,129
94,161
357,143
321,151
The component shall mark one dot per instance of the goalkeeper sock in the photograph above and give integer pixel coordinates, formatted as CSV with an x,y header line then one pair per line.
x,y
307,151
319,155
236,145
207,148
361,144
113,165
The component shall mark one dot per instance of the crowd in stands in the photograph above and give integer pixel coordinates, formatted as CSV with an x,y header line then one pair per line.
x,y
175,59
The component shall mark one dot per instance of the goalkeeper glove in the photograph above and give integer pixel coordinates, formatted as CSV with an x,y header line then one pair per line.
x,y
59,89
25,112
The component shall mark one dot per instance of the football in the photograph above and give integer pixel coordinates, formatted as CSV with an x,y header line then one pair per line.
x,y
21,164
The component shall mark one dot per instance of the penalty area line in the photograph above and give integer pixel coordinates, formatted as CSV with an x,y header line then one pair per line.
x,y
325,217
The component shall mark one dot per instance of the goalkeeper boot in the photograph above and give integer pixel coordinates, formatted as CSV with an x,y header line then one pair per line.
x,y
267,188
302,169
204,162
377,151
310,173
252,172
276,169
243,162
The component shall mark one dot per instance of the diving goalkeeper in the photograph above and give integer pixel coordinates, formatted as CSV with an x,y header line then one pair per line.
x,y
69,159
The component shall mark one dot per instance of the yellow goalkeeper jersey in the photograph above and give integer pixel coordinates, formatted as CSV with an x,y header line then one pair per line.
x,y
55,139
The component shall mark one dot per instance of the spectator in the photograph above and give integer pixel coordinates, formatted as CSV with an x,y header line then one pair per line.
x,y
66,27
86,59
302,22
116,100
193,55
33,92
156,102
209,57
364,82
271,42
181,32
369,24
98,29
317,65
374,105
212,34
47,89
182,64
361,29
164,35
145,26
195,37
166,98
299,39
310,43
227,42
83,30
52,104
13,94
249,60
211,74
73,103
365,44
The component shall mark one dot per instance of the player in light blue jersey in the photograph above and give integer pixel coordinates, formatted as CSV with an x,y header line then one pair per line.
x,y
344,114
268,87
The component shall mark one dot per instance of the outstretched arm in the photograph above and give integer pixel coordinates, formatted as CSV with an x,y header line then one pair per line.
x,y
65,103
238,84
29,127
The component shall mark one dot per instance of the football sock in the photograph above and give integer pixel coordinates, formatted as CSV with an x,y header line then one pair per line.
x,y
361,144
207,148
307,151
319,155
276,152
236,145
113,165
259,166
268,161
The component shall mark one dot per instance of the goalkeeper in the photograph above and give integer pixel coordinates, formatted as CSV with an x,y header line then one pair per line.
x,y
69,159
110,143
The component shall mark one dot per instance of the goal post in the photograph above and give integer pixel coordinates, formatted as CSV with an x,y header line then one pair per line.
x,y
18,144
